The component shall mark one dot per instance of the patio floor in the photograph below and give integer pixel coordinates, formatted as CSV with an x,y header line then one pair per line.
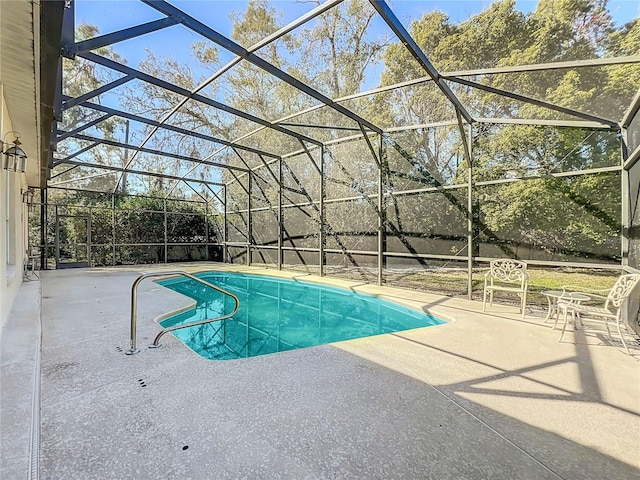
x,y
483,396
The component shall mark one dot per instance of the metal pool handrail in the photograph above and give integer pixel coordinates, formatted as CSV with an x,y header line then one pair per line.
x,y
134,308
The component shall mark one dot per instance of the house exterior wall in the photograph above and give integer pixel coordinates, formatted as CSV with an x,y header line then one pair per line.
x,y
13,225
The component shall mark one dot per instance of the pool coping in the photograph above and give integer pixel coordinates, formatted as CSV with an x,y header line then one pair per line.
x,y
589,423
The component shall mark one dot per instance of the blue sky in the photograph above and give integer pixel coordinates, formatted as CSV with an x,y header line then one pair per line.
x,y
217,11
112,15
176,41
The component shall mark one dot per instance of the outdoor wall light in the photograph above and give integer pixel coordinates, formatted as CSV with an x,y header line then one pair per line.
x,y
15,160
27,196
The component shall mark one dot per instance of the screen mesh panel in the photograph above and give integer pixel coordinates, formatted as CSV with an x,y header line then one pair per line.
x,y
433,222
351,225
264,227
264,256
301,227
557,219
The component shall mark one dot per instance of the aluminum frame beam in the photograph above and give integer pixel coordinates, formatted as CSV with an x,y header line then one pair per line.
x,y
62,173
112,168
631,112
633,158
548,123
265,41
87,177
595,62
81,128
156,123
626,219
72,102
194,191
75,154
309,125
533,101
235,48
151,151
121,35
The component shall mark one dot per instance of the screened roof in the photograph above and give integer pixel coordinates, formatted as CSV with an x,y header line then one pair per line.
x,y
197,93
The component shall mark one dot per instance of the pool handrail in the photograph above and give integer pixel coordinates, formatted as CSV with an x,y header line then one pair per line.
x,y
134,307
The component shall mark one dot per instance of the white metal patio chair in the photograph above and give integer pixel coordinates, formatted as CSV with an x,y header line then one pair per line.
x,y
30,265
506,275
611,310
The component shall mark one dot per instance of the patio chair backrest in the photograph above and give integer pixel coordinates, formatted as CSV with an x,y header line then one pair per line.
x,y
622,289
507,270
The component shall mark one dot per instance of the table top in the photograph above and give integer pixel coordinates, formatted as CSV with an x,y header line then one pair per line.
x,y
580,297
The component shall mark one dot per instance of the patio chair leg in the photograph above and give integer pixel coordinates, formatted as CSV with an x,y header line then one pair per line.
x,y
524,303
555,323
484,301
622,338
564,325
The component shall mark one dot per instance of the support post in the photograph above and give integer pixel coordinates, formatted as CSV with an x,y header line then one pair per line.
x,y
321,213
113,228
166,247
43,228
625,200
249,236
470,209
89,237
381,212
225,251
67,37
280,214
57,239
207,240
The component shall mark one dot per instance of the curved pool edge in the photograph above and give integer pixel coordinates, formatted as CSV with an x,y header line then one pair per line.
x,y
401,298
192,303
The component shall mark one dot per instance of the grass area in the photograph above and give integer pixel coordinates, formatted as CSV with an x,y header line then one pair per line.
x,y
454,282
544,279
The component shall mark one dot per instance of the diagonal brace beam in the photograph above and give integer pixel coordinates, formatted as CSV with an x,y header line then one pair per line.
x,y
156,123
75,154
122,35
138,172
151,151
186,93
631,112
313,162
82,127
72,102
240,51
533,101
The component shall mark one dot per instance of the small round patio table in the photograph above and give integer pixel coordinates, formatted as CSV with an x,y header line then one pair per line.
x,y
554,295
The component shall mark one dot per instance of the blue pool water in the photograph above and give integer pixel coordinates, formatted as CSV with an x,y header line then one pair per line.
x,y
277,315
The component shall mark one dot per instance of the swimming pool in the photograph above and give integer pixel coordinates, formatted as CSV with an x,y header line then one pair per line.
x,y
278,314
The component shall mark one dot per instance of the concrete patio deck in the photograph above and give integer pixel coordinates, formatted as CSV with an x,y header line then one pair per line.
x,y
483,396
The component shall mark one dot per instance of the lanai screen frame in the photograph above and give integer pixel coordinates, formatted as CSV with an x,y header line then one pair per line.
x,y
372,134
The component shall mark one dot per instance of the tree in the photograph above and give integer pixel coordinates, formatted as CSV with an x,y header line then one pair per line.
x,y
335,53
520,212
79,77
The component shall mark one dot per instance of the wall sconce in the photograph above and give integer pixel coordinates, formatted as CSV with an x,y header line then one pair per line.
x,y
27,196
15,160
